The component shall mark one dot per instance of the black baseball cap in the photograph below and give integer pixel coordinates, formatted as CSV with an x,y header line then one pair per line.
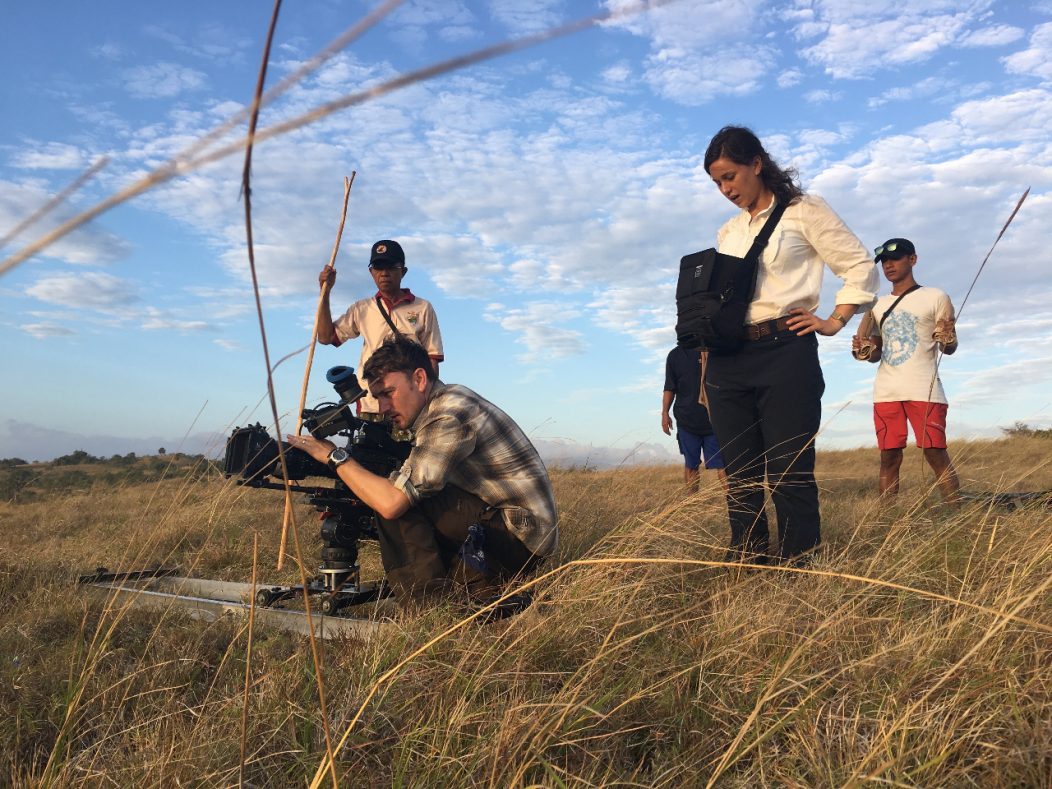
x,y
893,249
387,253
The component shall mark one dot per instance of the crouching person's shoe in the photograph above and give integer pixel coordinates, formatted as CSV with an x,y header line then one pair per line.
x,y
509,606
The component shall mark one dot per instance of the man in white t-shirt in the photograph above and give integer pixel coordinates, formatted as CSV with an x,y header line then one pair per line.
x,y
908,329
392,308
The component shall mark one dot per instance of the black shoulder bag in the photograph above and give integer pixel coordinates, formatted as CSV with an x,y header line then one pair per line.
x,y
714,291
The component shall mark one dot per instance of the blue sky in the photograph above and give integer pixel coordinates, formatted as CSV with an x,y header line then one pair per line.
x,y
543,199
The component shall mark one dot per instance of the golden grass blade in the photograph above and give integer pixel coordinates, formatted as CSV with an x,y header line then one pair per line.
x,y
248,663
247,197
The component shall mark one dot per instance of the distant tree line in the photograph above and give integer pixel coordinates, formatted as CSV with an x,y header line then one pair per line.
x,y
1022,430
21,481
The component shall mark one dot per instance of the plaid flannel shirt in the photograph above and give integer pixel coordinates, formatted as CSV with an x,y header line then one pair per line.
x,y
464,440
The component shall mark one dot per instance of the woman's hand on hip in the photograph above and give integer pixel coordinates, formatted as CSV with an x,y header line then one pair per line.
x,y
804,322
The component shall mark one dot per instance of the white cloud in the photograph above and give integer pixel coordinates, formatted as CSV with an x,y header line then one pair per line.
x,y
88,289
162,80
451,20
993,36
91,244
540,326
700,49
921,89
1036,60
43,331
108,51
822,96
50,156
211,42
617,74
853,38
523,17
154,319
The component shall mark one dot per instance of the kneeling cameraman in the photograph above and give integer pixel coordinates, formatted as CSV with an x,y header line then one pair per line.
x,y
471,507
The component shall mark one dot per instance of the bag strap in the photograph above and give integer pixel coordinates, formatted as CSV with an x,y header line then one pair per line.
x,y
894,304
387,317
760,243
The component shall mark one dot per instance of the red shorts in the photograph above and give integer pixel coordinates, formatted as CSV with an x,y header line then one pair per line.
x,y
928,421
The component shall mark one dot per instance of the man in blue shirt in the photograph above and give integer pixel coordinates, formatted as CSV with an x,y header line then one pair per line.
x,y
697,441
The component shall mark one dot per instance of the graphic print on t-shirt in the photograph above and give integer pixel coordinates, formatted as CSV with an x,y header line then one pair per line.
x,y
900,337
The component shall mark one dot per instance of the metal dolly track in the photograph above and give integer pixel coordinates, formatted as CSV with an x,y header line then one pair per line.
x,y
208,600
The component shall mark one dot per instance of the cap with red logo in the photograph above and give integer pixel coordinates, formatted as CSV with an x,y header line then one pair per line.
x,y
386,253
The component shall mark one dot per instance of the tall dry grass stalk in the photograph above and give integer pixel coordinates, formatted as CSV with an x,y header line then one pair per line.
x,y
915,653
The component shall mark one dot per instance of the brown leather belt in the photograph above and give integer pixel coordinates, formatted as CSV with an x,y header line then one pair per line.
x,y
757,331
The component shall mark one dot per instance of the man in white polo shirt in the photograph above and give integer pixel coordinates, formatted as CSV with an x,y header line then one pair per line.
x,y
391,310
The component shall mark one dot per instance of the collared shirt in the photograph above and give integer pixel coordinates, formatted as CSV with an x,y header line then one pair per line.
x,y
464,440
808,235
414,317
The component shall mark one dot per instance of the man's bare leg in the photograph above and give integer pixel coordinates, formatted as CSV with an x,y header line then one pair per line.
x,y
945,474
692,478
890,463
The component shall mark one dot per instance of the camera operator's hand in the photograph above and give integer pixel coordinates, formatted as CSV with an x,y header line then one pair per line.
x,y
316,448
327,276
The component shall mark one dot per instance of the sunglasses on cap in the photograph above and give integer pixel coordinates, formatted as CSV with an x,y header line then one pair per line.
x,y
885,249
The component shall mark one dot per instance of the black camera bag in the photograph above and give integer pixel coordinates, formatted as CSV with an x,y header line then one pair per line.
x,y
714,291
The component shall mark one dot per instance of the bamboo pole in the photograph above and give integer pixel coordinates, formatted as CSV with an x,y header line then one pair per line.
x,y
347,183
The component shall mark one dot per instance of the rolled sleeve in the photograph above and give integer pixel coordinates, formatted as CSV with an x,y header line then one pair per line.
x,y
842,251
346,326
401,480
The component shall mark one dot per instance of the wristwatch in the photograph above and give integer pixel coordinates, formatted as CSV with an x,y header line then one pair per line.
x,y
337,457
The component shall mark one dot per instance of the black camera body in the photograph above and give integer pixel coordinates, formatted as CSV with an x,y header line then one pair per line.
x,y
253,457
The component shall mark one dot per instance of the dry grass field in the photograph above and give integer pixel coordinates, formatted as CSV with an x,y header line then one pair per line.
x,y
916,652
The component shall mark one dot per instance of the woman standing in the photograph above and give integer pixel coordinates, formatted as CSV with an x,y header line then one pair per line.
x,y
766,399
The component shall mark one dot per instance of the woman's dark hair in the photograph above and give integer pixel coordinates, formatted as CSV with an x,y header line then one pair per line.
x,y
397,355
741,146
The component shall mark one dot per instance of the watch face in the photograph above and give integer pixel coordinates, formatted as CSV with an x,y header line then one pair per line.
x,y
338,456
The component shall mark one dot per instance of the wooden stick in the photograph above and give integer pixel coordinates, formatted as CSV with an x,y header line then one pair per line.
x,y
347,183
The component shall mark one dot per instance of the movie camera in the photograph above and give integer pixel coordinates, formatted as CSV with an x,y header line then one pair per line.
x,y
252,456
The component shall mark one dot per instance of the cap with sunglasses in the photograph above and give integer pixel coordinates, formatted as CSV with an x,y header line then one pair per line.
x,y
386,253
893,249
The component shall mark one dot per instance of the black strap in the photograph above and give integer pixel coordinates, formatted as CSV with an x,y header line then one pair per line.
x,y
894,304
760,243
380,304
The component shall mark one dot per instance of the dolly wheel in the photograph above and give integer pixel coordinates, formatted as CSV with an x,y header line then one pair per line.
x,y
264,597
329,605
